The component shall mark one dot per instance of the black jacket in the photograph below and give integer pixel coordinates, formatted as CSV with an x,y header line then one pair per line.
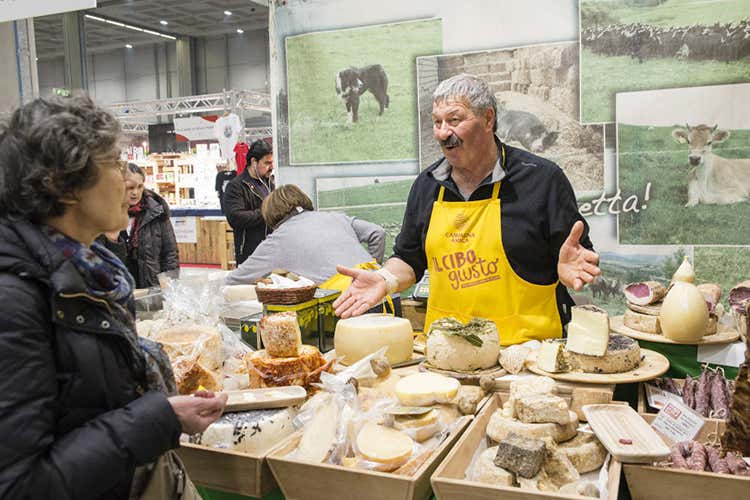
x,y
242,200
157,246
72,424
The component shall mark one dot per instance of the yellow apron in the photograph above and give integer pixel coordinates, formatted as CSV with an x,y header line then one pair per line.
x,y
470,275
340,282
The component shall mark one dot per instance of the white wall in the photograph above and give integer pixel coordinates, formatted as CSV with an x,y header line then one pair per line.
x,y
131,74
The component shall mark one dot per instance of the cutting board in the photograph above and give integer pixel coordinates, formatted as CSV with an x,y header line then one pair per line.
x,y
625,434
724,334
653,364
271,397
466,378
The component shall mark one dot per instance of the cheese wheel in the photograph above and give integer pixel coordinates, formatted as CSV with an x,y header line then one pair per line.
x,y
384,445
623,354
500,426
642,322
254,432
239,293
485,470
447,350
425,389
201,342
419,428
303,370
584,451
357,337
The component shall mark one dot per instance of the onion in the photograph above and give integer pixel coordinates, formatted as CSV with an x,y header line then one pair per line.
x,y
684,314
684,272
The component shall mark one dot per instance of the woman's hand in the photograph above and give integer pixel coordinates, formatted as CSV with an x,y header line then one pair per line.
x,y
197,412
366,291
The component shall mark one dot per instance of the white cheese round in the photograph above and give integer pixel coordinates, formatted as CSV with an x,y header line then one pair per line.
x,y
425,389
453,352
384,445
357,337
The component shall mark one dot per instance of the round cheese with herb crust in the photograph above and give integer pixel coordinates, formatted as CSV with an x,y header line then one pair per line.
x,y
451,345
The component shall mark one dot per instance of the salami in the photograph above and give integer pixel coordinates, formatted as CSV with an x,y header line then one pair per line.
x,y
719,403
717,464
678,460
737,465
688,392
698,458
703,394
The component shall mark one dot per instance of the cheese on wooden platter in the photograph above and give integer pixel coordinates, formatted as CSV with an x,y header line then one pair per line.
x,y
500,426
193,341
319,436
451,345
542,408
281,334
385,446
623,354
588,331
485,470
642,322
254,432
425,389
551,357
360,336
584,451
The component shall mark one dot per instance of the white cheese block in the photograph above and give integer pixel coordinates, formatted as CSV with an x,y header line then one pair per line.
x,y
254,432
623,354
550,357
319,436
425,389
447,350
239,293
584,451
384,445
203,343
527,386
485,470
642,322
500,426
588,330
357,337
542,408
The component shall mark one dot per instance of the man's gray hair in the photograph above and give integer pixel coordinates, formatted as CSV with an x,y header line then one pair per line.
x,y
469,87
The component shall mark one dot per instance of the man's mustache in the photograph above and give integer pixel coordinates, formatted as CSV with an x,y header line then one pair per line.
x,y
451,141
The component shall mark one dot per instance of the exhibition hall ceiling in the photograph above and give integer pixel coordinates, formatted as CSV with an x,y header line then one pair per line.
x,y
200,18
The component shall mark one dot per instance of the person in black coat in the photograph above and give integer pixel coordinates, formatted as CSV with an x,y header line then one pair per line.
x,y
87,409
243,197
148,246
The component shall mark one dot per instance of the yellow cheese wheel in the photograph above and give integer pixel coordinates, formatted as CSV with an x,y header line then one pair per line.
x,y
426,388
384,445
357,337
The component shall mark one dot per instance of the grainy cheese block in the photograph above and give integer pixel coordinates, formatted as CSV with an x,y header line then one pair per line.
x,y
384,446
550,357
642,322
542,408
500,426
540,482
303,370
583,396
623,354
527,386
201,342
558,468
520,455
425,389
281,334
360,336
588,330
190,376
584,451
319,435
485,470
254,432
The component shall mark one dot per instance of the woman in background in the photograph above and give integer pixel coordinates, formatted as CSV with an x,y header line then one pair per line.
x,y
87,408
148,246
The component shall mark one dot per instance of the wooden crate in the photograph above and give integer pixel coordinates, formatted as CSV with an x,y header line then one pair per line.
x,y
301,480
211,243
663,483
449,480
227,470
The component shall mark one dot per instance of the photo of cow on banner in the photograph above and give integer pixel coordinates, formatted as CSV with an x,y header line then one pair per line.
x,y
689,149
629,45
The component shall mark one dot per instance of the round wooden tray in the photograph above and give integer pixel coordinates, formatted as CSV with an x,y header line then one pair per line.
x,y
653,364
467,378
724,334
651,309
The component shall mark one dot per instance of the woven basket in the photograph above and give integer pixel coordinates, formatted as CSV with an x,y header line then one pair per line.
x,y
285,296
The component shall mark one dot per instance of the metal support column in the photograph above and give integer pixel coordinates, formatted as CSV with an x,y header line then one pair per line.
x,y
185,67
74,45
19,84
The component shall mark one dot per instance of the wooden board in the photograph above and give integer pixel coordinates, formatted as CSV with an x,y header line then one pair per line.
x,y
625,434
468,378
300,480
724,334
651,309
450,483
653,364
662,483
211,236
226,470
258,399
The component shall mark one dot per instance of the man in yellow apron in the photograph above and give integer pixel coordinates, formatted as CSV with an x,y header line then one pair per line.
x,y
497,227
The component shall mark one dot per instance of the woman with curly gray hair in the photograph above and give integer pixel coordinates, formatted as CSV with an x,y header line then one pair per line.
x,y
87,409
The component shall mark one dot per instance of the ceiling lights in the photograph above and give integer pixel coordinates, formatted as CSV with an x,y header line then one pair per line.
x,y
128,46
240,31
227,12
163,22
129,26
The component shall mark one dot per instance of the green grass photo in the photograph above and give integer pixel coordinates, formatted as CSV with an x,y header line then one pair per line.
x,y
321,130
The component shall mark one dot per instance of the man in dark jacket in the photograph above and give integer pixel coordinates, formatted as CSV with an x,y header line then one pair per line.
x,y
243,197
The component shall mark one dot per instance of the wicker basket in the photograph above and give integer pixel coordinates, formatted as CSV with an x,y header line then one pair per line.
x,y
285,296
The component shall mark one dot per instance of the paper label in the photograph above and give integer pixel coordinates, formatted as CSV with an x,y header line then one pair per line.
x,y
722,354
657,398
677,422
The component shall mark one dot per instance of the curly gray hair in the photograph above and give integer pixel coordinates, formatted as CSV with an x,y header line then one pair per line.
x,y
48,149
471,88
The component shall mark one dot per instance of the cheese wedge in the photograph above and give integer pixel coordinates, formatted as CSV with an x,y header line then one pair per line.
x,y
550,357
588,330
319,436
384,445
425,389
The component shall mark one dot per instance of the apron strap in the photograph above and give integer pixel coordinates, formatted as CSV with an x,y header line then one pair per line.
x,y
495,190
440,194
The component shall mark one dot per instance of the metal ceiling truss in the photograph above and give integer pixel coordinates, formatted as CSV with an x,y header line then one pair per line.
x,y
232,100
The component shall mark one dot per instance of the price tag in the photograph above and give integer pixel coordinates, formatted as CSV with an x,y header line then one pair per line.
x,y
677,422
657,398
